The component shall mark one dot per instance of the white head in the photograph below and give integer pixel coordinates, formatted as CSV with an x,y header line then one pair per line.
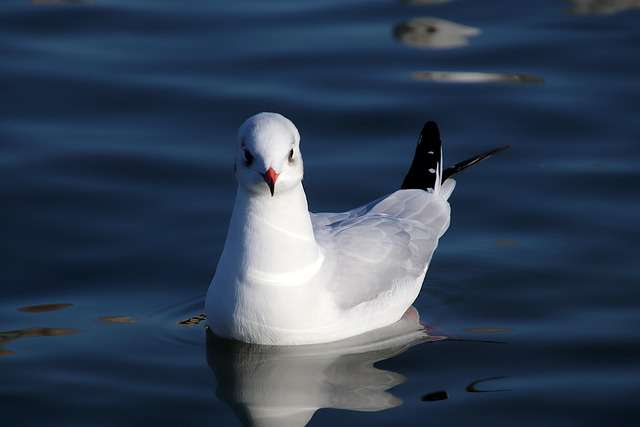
x,y
268,159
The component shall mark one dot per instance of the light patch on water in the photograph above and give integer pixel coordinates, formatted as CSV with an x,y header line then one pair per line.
x,y
118,319
474,77
434,33
603,7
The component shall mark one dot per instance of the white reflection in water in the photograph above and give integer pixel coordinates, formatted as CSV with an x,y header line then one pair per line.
x,y
474,77
433,33
285,385
604,7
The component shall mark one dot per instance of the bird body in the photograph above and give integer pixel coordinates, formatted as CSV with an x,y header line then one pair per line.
x,y
289,277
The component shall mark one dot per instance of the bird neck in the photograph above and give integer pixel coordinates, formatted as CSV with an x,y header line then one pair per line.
x,y
271,238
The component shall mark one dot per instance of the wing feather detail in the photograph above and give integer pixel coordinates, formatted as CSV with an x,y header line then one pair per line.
x,y
381,246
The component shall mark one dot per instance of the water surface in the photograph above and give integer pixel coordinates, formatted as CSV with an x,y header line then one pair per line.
x,y
117,129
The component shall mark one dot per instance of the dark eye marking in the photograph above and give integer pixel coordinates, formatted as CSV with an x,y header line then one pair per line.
x,y
248,157
291,155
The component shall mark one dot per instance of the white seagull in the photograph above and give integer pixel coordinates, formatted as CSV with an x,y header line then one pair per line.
x,y
287,276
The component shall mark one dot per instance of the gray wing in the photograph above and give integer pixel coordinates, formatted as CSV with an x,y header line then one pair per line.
x,y
383,245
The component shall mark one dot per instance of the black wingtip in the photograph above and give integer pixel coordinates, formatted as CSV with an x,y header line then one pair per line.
x,y
426,160
430,131
498,150
459,167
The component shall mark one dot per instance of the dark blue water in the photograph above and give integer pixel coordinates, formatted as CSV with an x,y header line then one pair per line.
x,y
117,128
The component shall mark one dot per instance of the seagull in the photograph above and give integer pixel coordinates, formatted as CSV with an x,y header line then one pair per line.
x,y
287,276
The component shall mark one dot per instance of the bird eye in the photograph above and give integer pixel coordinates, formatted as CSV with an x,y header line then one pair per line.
x,y
248,157
291,155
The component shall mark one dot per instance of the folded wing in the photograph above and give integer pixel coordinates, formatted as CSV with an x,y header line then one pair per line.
x,y
382,250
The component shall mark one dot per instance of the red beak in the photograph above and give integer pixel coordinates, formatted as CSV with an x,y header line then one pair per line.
x,y
270,177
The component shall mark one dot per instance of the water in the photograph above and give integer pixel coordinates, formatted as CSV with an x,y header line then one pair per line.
x,y
117,127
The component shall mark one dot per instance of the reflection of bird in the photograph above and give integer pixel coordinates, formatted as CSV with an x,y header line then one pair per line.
x,y
290,277
605,7
284,386
433,33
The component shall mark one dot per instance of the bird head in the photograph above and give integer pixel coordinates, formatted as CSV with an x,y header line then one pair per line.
x,y
268,160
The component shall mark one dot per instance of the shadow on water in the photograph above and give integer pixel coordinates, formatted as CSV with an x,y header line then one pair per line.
x,y
9,336
284,386
43,308
473,386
